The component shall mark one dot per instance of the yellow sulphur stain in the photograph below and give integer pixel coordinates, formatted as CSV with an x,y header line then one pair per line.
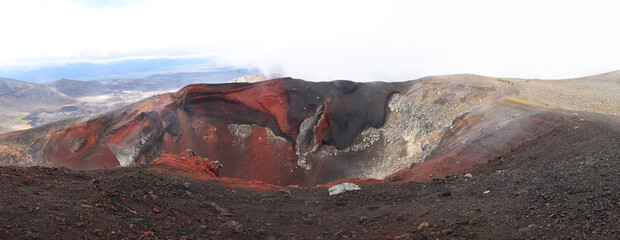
x,y
519,100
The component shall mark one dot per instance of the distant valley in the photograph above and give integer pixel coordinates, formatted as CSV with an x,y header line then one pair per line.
x,y
26,104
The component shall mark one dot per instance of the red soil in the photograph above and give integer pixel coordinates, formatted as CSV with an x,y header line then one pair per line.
x,y
267,97
262,165
69,147
188,164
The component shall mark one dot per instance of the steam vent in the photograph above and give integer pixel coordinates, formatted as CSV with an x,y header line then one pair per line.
x,y
293,132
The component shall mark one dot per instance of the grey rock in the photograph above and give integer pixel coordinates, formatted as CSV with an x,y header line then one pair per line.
x,y
343,187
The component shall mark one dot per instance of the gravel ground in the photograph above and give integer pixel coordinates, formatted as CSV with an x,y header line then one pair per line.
x,y
590,94
562,185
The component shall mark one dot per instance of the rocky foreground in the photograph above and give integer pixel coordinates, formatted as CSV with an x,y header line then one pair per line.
x,y
457,156
529,193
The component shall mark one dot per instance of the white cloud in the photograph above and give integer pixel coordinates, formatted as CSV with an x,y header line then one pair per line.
x,y
321,40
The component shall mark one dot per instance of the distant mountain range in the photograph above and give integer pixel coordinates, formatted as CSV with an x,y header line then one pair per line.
x,y
26,104
24,96
131,68
178,80
75,88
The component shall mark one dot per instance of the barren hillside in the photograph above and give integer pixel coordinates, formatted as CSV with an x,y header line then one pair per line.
x,y
442,157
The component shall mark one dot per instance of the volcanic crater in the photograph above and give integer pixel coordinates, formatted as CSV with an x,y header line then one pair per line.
x,y
292,132
442,157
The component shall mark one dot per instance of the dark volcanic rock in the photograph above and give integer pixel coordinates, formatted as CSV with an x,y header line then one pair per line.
x,y
538,172
562,183
292,132
259,121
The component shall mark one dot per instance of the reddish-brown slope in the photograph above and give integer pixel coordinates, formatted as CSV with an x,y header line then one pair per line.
x,y
187,164
292,132
485,134
249,128
270,98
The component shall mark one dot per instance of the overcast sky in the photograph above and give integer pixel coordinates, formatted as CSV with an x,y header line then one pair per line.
x,y
323,40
